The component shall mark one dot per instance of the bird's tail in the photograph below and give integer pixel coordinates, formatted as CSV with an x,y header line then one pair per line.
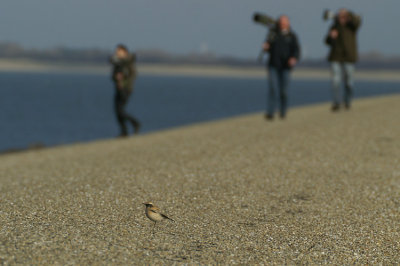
x,y
166,217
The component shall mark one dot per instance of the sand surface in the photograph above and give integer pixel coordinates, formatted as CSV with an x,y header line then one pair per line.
x,y
23,65
319,187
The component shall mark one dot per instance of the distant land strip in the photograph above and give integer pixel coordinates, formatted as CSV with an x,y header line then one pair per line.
x,y
25,65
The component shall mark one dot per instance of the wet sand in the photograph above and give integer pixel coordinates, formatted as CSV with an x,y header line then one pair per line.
x,y
316,188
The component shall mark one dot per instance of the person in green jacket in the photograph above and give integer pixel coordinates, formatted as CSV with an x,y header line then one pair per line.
x,y
342,39
123,75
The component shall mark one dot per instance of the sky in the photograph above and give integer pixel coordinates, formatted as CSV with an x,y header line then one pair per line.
x,y
224,27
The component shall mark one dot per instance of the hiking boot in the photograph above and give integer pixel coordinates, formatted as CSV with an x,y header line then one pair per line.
x,y
137,128
269,117
123,135
335,107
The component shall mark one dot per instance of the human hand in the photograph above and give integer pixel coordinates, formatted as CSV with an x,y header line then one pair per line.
x,y
266,46
292,61
119,76
334,34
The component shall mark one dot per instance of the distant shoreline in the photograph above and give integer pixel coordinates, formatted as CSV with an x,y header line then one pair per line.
x,y
24,65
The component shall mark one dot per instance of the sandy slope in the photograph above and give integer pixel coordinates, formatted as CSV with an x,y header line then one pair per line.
x,y
315,188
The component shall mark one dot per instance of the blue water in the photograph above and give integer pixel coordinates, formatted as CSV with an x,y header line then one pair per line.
x,y
55,109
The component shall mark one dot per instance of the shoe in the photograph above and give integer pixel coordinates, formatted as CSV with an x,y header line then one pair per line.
x,y
335,107
137,128
347,106
123,135
282,116
269,117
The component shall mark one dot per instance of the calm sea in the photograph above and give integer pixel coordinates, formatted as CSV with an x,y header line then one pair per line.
x,y
55,109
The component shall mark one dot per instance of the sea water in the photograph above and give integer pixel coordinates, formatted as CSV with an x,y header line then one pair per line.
x,y
55,109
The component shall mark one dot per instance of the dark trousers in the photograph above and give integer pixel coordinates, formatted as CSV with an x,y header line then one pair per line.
x,y
120,100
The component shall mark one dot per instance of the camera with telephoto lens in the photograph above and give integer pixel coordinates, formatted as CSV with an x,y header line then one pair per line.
x,y
264,19
328,15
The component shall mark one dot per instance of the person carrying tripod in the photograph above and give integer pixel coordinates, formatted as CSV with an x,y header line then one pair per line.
x,y
284,52
342,40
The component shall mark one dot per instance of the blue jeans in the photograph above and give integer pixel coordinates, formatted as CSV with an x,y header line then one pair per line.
x,y
278,81
339,70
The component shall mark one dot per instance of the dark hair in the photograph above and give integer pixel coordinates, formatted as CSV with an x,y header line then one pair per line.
x,y
122,47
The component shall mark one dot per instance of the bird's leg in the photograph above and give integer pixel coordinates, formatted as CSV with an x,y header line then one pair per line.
x,y
154,226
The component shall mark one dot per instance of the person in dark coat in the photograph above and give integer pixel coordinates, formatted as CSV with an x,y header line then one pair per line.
x,y
123,75
342,40
284,52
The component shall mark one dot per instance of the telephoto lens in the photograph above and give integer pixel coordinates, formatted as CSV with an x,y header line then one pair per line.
x,y
263,19
328,15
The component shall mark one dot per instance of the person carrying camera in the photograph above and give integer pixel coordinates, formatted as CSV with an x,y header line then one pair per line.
x,y
284,52
343,54
123,75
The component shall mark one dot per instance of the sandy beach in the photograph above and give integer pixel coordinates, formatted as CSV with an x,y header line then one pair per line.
x,y
23,65
316,188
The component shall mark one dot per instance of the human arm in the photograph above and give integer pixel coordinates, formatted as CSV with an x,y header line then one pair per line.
x,y
269,41
354,21
294,52
331,36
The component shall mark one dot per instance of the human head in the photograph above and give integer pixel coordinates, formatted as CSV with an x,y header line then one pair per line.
x,y
121,50
284,22
343,16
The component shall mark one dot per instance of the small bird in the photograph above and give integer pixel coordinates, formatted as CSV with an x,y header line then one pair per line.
x,y
154,214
